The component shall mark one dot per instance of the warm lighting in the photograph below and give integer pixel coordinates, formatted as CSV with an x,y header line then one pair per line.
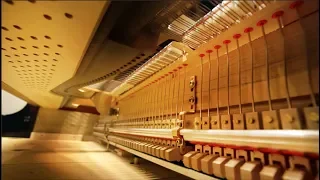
x,y
10,103
81,90
75,105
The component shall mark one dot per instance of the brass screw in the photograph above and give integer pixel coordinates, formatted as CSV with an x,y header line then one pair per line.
x,y
196,123
289,118
192,83
226,121
251,120
269,119
214,122
237,121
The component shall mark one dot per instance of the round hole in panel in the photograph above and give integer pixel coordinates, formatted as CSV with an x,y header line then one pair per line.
x,y
46,46
19,61
13,48
46,54
10,61
60,46
47,17
16,55
28,61
54,59
34,38
47,37
20,38
22,47
17,27
3,49
57,54
36,47
7,56
45,60
32,1
8,39
69,16
25,54
36,60
4,28
35,54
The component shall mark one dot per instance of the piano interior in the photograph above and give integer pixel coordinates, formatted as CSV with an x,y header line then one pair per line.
x,y
210,89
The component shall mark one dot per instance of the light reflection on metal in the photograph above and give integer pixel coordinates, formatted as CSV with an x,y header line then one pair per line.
x,y
168,55
219,19
296,140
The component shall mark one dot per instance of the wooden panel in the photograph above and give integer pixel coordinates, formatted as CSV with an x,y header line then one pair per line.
x,y
293,45
65,122
42,46
32,159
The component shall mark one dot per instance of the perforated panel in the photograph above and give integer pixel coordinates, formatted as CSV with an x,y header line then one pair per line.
x,y
43,43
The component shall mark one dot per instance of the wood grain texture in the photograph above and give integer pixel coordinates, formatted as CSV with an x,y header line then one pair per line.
x,y
149,100
64,122
38,159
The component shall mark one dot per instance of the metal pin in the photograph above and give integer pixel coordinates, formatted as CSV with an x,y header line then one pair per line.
x,y
172,102
161,86
226,42
237,36
140,109
149,104
224,23
248,30
217,47
245,7
146,105
164,99
160,99
178,91
201,79
211,27
233,12
223,19
152,104
168,98
154,118
261,24
226,13
248,5
209,84
216,20
184,85
190,43
195,41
